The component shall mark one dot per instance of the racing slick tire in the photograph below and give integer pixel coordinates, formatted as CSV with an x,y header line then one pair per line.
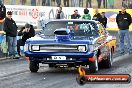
x,y
107,63
93,66
33,66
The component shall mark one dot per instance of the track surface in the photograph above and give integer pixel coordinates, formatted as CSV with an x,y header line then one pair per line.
x,y
15,74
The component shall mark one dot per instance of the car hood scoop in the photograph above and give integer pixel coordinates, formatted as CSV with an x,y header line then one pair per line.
x,y
62,34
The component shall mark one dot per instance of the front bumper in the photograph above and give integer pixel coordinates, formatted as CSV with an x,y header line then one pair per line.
x,y
70,57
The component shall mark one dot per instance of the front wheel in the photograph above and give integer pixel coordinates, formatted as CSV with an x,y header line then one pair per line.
x,y
93,66
109,60
33,66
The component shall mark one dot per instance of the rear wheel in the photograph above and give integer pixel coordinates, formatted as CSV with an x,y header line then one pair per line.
x,y
107,63
93,66
33,66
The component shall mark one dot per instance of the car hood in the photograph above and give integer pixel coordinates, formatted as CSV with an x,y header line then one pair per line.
x,y
52,39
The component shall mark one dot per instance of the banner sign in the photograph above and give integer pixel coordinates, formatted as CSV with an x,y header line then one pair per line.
x,y
32,14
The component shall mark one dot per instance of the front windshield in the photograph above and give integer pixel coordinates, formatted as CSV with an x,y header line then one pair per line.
x,y
79,28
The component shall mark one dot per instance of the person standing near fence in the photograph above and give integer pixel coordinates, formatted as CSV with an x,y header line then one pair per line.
x,y
23,2
86,15
33,2
66,3
2,14
130,5
99,3
47,2
124,3
75,3
89,2
75,15
58,2
2,1
59,13
97,15
123,20
103,19
111,3
104,3
43,2
10,28
13,2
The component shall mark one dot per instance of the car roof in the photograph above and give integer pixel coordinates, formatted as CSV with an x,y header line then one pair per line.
x,y
73,20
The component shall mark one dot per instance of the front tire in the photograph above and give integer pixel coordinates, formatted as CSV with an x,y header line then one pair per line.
x,y
33,66
109,60
93,66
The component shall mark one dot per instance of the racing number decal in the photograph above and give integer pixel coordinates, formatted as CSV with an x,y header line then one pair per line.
x,y
58,58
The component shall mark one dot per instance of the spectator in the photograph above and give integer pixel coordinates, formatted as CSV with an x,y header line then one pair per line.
x,y
75,15
103,19
23,2
48,2
111,3
80,2
2,14
99,3
58,2
124,20
52,2
2,11
33,2
130,5
43,2
13,2
90,3
26,32
59,13
124,3
1,1
10,29
86,15
104,3
66,3
75,3
38,2
97,15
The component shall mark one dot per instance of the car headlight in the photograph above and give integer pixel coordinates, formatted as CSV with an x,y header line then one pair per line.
x,y
25,47
93,47
82,48
35,47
